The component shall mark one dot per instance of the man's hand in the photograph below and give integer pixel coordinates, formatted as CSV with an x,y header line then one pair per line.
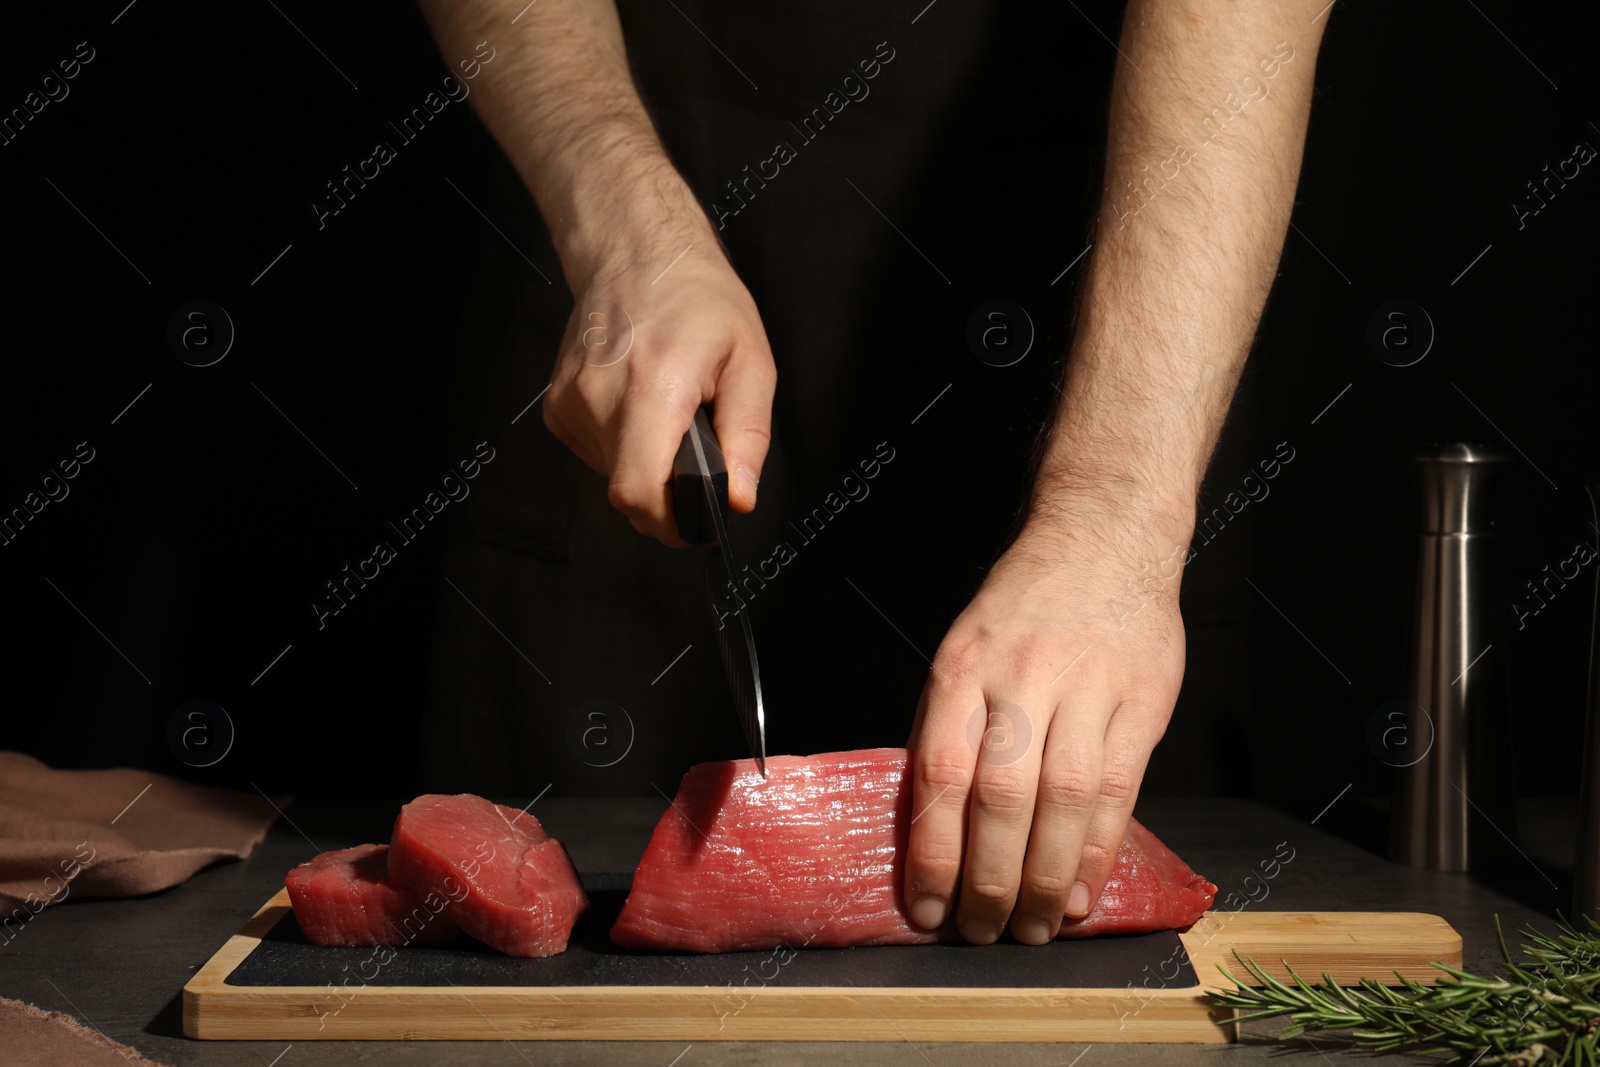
x,y
692,336
1053,686
648,276
1045,700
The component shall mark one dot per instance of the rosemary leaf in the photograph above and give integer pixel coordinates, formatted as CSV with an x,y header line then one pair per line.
x,y
1543,1011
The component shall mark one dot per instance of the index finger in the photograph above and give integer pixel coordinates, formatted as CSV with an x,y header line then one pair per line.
x,y
941,763
649,428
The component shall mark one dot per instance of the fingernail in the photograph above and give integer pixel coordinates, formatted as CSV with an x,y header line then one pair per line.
x,y
928,912
980,932
1078,901
747,483
1031,931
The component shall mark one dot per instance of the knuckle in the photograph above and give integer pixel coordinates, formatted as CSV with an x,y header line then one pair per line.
x,y
590,384
944,771
955,664
935,864
628,496
996,894
1002,795
1067,789
1118,784
1051,887
760,430
1024,665
1098,855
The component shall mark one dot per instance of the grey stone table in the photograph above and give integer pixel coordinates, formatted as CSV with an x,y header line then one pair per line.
x,y
119,965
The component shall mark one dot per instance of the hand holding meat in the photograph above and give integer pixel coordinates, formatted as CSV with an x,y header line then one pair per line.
x,y
1035,725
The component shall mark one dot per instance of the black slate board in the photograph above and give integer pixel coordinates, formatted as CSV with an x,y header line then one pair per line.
x,y
285,958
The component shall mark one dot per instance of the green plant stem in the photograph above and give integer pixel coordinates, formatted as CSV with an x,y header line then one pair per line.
x,y
1544,1012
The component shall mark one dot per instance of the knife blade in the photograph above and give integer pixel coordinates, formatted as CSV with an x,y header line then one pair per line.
x,y
700,506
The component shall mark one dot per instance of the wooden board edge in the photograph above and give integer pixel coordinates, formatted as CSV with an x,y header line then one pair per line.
x,y
1346,946
1343,943
212,977
712,1014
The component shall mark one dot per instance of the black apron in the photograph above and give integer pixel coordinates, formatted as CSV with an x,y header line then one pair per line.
x,y
877,181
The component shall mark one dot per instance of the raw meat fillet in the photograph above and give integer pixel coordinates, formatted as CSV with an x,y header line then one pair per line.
x,y
346,898
518,890
812,857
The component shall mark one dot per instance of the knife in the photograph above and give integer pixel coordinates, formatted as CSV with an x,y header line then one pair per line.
x,y
700,505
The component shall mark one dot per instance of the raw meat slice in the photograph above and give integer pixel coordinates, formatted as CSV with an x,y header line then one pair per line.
x,y
518,890
346,898
811,857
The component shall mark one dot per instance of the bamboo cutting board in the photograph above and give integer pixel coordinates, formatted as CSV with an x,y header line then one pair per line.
x,y
1149,988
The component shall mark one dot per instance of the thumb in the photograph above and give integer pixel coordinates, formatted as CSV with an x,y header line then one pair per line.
x,y
742,416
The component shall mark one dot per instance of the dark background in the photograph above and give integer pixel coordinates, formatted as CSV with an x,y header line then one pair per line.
x,y
192,542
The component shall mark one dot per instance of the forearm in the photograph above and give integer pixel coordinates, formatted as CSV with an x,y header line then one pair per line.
x,y
559,99
1192,222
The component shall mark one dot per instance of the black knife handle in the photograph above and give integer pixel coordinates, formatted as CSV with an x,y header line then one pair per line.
x,y
688,493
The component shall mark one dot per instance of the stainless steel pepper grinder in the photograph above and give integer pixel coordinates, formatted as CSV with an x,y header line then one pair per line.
x,y
1454,807
1586,890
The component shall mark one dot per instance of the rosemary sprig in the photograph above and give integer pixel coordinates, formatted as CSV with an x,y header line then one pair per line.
x,y
1544,1012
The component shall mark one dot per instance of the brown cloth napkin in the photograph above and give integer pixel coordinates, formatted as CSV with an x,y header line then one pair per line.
x,y
38,1038
112,833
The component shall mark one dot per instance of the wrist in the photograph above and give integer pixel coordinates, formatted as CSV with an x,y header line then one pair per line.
x,y
1121,462
1110,512
1081,489
620,199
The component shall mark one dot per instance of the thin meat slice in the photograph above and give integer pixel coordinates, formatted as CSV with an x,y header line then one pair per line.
x,y
346,898
813,855
518,890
